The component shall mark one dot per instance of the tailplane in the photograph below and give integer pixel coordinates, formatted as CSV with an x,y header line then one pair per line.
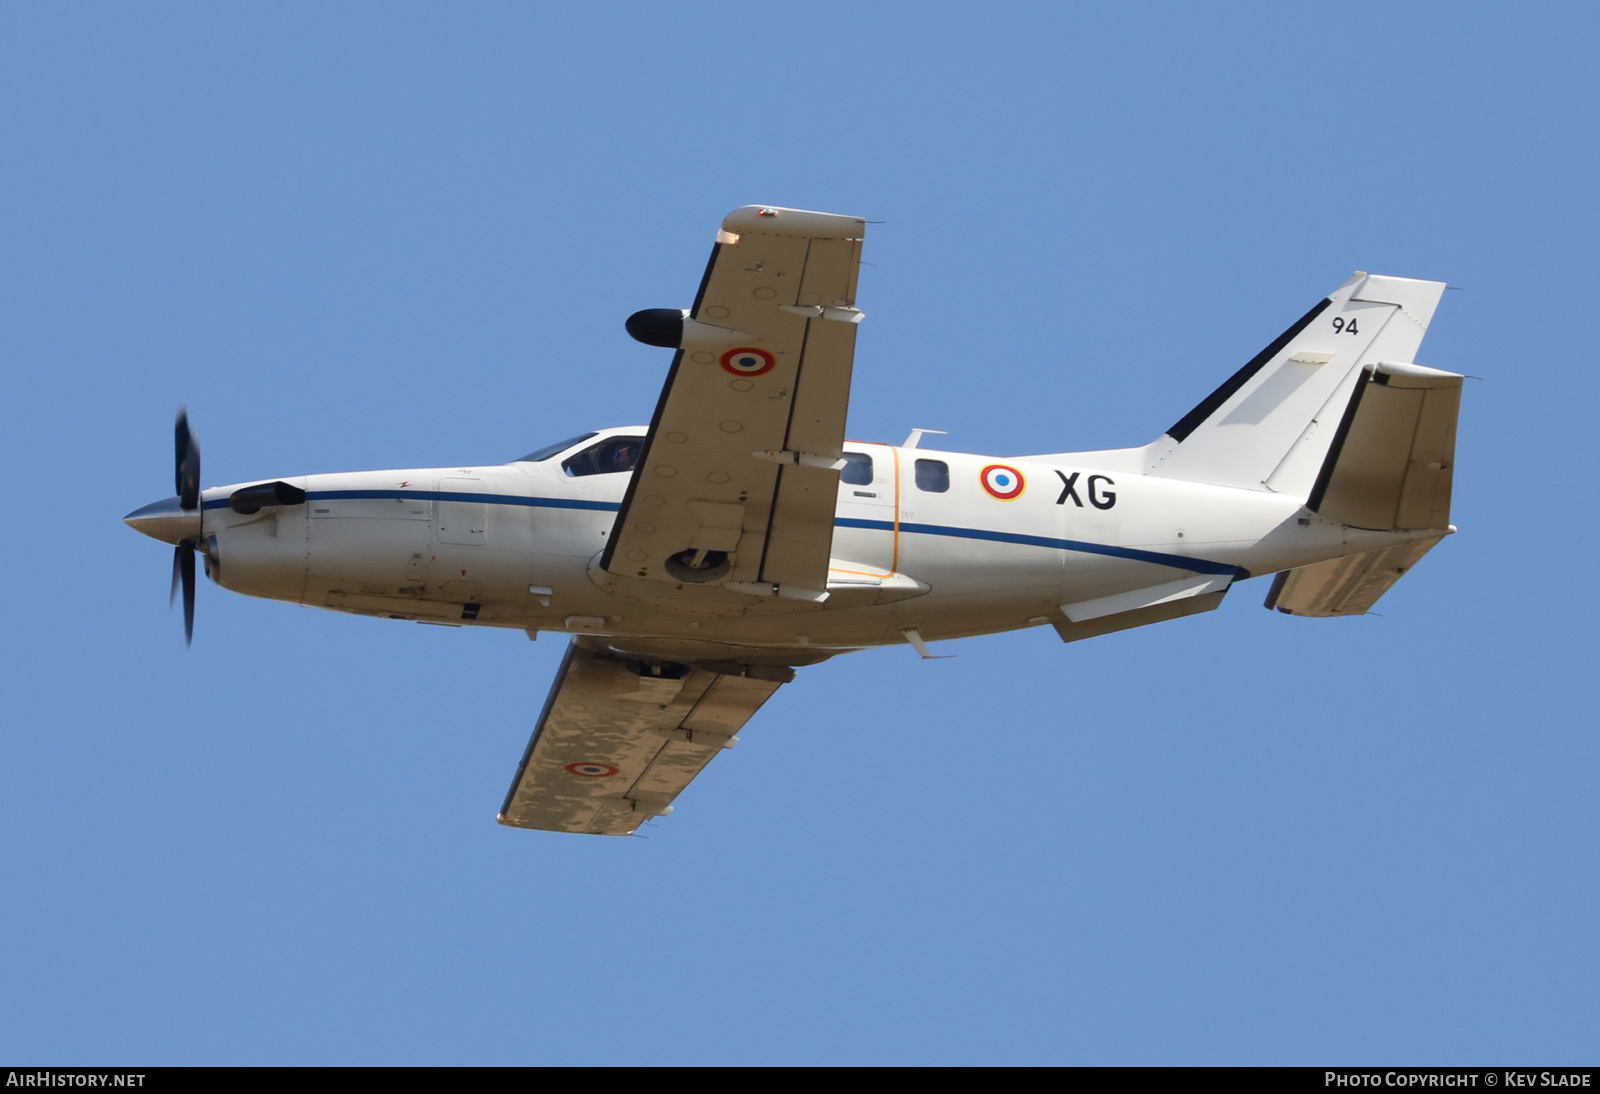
x,y
1345,586
1388,468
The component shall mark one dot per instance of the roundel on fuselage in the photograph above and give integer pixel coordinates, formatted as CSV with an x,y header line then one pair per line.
x,y
1002,482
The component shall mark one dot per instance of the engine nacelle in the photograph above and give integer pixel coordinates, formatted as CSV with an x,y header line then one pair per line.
x,y
671,328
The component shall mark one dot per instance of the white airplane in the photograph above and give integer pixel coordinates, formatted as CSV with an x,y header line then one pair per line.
x,y
698,561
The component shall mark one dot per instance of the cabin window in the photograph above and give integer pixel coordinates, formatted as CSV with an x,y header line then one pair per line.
x,y
857,469
610,456
549,450
933,476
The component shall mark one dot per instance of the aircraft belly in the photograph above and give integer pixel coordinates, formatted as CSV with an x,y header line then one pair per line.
x,y
962,616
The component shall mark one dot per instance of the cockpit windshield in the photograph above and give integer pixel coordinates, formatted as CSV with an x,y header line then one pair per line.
x,y
549,450
609,456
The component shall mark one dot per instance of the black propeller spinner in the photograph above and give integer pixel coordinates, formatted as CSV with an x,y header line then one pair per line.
x,y
187,473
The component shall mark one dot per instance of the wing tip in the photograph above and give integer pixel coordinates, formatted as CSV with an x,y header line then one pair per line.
x,y
778,220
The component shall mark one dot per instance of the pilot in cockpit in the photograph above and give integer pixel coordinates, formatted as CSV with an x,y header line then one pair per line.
x,y
619,455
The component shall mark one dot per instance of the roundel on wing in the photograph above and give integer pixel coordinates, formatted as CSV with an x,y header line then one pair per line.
x,y
1003,482
747,361
591,770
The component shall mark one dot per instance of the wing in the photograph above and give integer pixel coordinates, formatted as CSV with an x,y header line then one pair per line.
x,y
617,742
739,475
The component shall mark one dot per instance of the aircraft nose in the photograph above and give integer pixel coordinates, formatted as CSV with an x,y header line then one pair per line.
x,y
165,520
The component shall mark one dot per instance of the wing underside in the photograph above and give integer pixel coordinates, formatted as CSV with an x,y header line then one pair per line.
x,y
738,479
619,739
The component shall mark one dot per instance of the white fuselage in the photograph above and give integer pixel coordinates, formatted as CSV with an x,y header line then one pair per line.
x,y
518,546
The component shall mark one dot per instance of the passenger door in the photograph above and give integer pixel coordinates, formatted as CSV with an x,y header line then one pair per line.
x,y
868,521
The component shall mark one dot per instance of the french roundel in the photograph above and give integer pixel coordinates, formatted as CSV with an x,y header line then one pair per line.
x,y
746,361
591,770
1005,483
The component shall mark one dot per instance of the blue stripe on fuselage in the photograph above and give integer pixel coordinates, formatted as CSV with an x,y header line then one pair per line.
x,y
444,495
1197,565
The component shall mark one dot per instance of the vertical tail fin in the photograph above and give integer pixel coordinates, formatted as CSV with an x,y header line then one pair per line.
x,y
1270,425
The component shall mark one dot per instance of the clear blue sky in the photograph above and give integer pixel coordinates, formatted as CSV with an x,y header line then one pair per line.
x,y
396,235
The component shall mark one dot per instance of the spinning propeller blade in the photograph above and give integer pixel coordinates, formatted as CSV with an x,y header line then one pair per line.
x,y
186,474
183,574
186,463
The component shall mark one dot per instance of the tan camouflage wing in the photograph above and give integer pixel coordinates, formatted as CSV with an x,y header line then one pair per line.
x,y
619,739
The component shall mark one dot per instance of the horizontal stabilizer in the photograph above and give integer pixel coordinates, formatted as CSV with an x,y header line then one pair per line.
x,y
1345,586
1389,467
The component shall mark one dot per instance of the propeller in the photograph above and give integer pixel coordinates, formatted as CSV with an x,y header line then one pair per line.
x,y
186,464
183,572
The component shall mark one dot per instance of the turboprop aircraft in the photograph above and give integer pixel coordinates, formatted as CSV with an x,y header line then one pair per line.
x,y
700,560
